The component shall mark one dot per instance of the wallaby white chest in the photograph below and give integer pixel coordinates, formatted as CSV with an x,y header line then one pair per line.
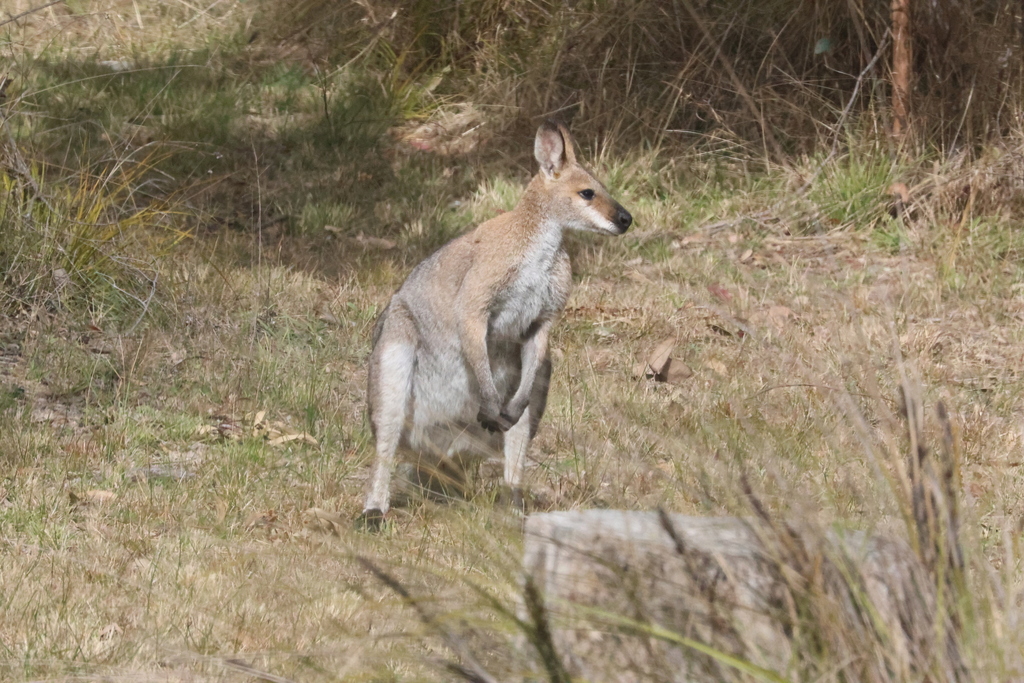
x,y
529,294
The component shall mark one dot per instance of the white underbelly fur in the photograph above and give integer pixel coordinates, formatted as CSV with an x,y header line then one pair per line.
x,y
446,400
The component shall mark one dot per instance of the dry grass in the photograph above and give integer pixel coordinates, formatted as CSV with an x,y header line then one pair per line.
x,y
170,577
149,530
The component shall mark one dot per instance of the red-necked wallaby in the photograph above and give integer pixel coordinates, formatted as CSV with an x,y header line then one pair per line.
x,y
460,354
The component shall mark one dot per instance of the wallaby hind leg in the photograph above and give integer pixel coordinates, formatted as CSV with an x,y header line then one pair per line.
x,y
517,442
391,374
539,395
517,439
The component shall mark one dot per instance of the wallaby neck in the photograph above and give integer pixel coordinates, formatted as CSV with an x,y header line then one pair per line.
x,y
536,211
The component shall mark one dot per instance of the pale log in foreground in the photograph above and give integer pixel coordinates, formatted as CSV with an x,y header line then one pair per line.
x,y
624,591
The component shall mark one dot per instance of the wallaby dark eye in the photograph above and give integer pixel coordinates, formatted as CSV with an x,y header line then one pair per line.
x,y
587,194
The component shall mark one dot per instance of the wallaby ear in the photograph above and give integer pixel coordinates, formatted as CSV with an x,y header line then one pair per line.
x,y
553,148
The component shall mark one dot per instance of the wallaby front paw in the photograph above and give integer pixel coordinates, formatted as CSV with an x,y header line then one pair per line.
x,y
370,521
499,423
512,412
511,418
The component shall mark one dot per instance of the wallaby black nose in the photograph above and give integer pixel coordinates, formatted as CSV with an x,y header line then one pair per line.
x,y
623,220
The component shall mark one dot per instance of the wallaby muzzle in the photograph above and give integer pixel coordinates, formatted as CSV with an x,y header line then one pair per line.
x,y
622,220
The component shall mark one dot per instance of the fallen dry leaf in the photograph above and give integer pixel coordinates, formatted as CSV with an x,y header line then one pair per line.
x,y
301,436
222,510
317,519
674,372
661,367
91,497
329,318
778,316
656,361
375,242
109,631
222,430
720,292
258,520
661,354
719,367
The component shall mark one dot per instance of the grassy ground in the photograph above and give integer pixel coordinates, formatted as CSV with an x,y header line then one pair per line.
x,y
182,439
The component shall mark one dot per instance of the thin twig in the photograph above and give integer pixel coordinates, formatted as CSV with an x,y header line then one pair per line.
x,y
239,665
853,96
809,385
844,115
145,304
741,89
30,11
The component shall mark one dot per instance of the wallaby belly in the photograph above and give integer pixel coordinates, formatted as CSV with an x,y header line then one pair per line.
x,y
446,399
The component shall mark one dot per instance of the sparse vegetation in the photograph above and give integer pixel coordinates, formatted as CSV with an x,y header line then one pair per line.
x,y
202,210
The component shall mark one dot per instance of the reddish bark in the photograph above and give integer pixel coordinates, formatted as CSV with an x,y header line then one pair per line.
x,y
901,68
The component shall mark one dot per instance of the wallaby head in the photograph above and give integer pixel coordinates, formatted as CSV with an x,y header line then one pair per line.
x,y
571,193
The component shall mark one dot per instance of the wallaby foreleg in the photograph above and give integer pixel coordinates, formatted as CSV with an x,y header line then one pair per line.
x,y
534,353
473,336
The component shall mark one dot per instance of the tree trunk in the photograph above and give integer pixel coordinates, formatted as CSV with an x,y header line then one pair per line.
x,y
902,66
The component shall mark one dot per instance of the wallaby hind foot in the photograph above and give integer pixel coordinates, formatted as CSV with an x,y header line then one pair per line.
x,y
370,521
